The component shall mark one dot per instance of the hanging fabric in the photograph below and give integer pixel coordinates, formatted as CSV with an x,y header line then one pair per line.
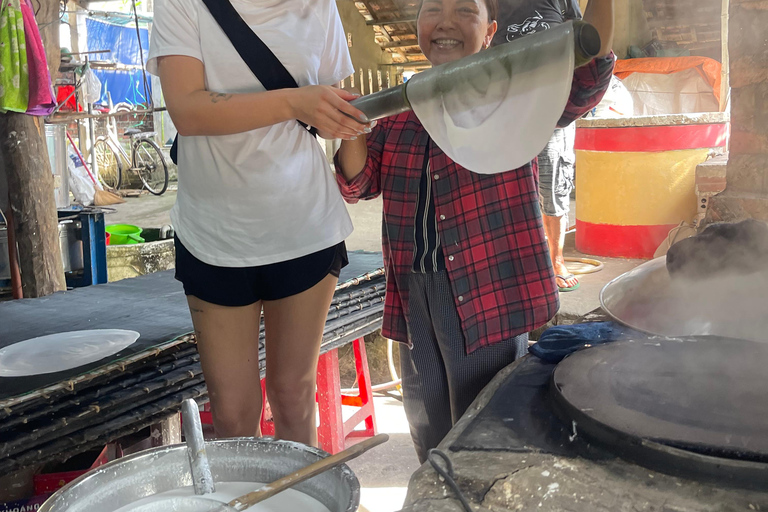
x,y
14,79
41,98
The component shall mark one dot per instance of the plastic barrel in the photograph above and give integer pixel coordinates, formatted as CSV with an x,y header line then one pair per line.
x,y
635,179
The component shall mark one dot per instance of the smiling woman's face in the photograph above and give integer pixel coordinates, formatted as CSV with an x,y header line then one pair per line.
x,y
452,29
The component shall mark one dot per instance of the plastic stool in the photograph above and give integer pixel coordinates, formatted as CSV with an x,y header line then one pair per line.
x,y
333,430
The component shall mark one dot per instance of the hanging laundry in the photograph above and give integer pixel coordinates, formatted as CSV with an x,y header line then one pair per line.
x,y
41,98
14,78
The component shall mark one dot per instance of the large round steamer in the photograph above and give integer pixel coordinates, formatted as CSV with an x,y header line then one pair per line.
x,y
692,407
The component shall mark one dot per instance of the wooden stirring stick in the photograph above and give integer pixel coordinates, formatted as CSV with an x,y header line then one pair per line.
x,y
269,490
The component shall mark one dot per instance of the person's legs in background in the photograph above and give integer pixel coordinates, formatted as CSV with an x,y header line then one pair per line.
x,y
425,387
556,175
440,381
467,374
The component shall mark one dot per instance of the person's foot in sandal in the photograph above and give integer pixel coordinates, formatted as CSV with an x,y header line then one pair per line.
x,y
566,281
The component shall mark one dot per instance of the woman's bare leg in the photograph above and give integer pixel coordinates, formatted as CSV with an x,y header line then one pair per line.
x,y
228,342
294,328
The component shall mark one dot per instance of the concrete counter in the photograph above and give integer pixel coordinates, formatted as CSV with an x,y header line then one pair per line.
x,y
543,474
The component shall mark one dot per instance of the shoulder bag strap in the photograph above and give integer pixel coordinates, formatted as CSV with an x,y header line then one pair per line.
x,y
263,63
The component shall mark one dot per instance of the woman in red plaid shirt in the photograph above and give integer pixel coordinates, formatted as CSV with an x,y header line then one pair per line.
x,y
468,270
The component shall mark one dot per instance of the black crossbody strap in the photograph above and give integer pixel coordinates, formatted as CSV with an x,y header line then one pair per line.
x,y
262,62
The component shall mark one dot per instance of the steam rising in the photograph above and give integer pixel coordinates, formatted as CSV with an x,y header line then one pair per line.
x,y
717,284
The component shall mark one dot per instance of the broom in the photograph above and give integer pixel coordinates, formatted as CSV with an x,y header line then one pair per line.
x,y
102,197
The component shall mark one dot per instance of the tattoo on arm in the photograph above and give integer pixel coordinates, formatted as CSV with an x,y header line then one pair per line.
x,y
218,96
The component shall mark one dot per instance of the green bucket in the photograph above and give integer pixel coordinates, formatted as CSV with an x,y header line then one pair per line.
x,y
124,234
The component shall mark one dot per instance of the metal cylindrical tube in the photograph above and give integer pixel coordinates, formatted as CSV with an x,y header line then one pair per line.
x,y
202,479
92,141
587,42
385,103
394,100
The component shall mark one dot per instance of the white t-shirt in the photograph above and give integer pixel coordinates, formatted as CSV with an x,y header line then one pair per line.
x,y
267,195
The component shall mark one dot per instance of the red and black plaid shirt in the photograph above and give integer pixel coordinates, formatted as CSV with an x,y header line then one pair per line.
x,y
490,225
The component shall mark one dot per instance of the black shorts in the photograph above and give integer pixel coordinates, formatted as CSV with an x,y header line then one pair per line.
x,y
242,286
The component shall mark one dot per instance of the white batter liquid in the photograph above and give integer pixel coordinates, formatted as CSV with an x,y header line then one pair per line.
x,y
289,500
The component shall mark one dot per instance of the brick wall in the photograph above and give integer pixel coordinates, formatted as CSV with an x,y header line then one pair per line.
x,y
747,174
692,24
748,49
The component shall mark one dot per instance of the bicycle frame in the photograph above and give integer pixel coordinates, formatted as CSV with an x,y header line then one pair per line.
x,y
144,159
114,142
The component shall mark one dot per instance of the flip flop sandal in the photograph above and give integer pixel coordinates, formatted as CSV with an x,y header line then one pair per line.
x,y
566,278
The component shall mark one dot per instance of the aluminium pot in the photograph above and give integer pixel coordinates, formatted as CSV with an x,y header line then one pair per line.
x,y
129,479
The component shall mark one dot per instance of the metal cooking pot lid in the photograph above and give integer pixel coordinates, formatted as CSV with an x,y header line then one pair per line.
x,y
62,351
648,300
705,395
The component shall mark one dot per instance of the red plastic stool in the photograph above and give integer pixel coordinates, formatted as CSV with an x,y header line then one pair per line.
x,y
333,430
267,425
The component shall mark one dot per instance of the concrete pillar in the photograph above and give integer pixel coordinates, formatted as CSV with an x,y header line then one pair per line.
x,y
746,195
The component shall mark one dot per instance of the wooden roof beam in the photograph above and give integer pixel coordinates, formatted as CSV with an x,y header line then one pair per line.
x,y
400,44
392,22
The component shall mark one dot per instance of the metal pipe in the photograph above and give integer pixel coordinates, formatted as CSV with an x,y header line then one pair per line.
x,y
63,118
92,137
394,100
13,260
385,103
587,42
202,479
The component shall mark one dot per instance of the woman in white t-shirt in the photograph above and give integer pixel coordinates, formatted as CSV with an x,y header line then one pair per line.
x,y
259,220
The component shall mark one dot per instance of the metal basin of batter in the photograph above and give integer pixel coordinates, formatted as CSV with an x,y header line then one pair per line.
x,y
647,299
149,472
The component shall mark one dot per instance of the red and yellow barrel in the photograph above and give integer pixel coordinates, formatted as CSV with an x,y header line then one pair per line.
x,y
635,179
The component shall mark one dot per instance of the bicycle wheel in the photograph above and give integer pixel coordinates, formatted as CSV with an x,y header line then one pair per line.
x,y
109,168
148,160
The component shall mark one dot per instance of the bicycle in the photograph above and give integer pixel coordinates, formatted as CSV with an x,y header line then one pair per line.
x,y
146,158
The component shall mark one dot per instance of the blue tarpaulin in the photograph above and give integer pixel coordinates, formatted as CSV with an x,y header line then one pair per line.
x,y
123,85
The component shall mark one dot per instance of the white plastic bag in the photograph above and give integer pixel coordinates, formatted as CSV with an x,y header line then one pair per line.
x,y
92,87
80,183
617,101
683,92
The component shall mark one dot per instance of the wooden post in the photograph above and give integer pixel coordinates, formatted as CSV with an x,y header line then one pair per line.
x,y
725,86
167,432
33,207
30,180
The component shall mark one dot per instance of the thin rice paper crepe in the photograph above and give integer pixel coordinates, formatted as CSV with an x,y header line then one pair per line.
x,y
501,118
62,351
